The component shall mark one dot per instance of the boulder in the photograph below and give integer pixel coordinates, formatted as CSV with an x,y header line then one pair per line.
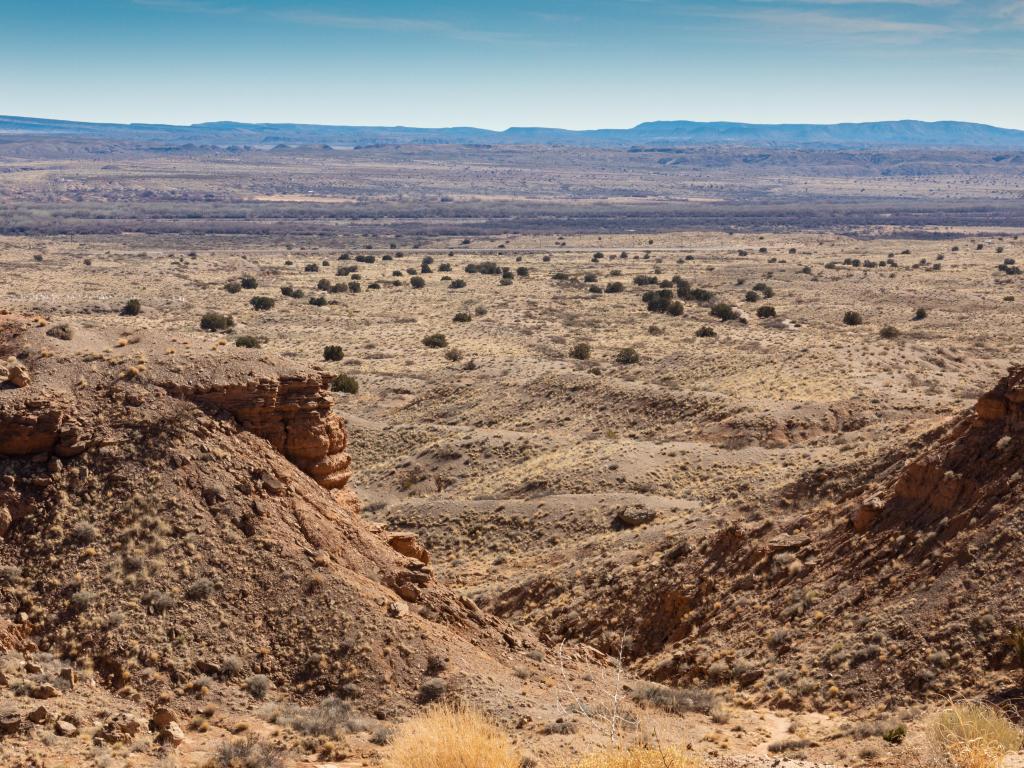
x,y
631,517
66,729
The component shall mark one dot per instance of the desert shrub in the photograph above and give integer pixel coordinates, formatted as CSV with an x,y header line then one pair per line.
x,y
589,277
614,287
675,700
344,383
724,311
627,356
457,283
852,318
330,717
215,321
894,735
595,289
417,281
973,735
132,307
248,282
640,757
522,271
920,313
560,276
261,303
462,317
444,737
453,354
249,752
323,284
705,332
258,686
889,332
312,268
580,351
232,286
317,301
751,296
480,311
333,353
766,311
435,340
200,589
62,332
82,533
355,287
249,342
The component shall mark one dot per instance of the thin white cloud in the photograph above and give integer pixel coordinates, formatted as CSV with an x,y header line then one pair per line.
x,y
189,6
388,24
1013,12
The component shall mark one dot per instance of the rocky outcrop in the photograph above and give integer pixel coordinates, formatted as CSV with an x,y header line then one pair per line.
x,y
960,475
293,413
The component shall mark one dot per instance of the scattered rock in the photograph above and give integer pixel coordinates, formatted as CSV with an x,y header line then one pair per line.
x,y
172,734
39,715
68,675
45,691
64,728
631,517
10,723
408,545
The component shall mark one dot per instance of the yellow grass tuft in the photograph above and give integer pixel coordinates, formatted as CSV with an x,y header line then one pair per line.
x,y
448,737
973,735
640,757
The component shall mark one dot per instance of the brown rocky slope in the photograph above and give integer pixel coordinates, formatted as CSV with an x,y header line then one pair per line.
x,y
167,518
878,585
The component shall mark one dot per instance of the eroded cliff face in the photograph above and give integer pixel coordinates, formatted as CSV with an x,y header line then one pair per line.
x,y
47,412
964,474
293,413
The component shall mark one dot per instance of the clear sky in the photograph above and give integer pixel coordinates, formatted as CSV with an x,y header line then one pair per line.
x,y
493,64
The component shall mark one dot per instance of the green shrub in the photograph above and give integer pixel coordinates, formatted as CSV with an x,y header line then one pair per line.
x,y
614,287
248,282
317,301
462,317
232,286
852,318
580,351
333,353
344,383
457,283
132,307
889,332
705,332
920,313
249,342
627,356
261,303
766,311
435,340
417,281
215,321
724,311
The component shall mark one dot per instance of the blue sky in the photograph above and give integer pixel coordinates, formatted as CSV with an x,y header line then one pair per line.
x,y
564,63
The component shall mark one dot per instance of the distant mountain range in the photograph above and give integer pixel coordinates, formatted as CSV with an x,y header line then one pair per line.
x,y
898,133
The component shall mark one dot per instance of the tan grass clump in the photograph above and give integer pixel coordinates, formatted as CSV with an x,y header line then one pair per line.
x,y
973,735
640,757
449,737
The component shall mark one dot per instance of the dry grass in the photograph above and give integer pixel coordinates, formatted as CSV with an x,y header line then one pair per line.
x,y
448,737
640,757
973,735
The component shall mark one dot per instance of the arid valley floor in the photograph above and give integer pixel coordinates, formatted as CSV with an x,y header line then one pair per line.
x,y
780,536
